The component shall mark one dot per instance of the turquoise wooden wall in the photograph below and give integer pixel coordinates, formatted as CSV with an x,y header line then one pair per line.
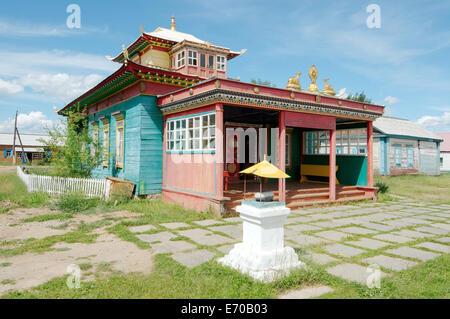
x,y
143,143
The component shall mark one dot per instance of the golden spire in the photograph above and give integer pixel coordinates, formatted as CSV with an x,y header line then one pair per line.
x,y
313,76
328,90
172,24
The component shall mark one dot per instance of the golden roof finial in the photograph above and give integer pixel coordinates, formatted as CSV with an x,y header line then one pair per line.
x,y
328,90
172,24
313,76
294,83
125,53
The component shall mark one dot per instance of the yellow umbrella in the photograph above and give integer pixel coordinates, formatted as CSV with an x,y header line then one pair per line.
x,y
264,169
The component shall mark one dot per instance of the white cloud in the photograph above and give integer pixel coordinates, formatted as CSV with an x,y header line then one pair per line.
x,y
15,63
27,29
63,86
391,100
9,88
436,122
33,122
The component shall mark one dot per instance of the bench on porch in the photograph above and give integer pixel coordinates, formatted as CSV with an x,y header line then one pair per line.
x,y
315,170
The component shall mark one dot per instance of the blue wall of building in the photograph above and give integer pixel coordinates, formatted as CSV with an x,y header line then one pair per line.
x,y
143,141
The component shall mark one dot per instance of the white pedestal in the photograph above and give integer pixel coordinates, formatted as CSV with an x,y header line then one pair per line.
x,y
262,254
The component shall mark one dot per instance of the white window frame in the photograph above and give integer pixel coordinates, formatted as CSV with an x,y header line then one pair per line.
x,y
120,151
348,142
181,59
192,58
288,149
193,133
105,145
221,62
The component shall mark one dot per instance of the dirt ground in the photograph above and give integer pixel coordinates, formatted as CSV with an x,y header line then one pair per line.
x,y
108,254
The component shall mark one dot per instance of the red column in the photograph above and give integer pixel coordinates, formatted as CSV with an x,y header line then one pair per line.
x,y
332,166
219,150
282,155
370,153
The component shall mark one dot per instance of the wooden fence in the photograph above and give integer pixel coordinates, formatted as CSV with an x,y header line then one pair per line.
x,y
90,187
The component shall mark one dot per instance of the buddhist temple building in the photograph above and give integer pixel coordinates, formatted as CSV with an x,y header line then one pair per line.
x,y
169,118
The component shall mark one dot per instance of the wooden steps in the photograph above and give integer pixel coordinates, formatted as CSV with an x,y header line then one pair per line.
x,y
305,197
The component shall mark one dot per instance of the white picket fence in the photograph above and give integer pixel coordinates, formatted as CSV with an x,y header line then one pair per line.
x,y
90,187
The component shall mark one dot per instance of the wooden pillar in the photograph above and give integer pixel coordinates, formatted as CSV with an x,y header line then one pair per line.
x,y
164,167
332,166
282,155
370,153
219,150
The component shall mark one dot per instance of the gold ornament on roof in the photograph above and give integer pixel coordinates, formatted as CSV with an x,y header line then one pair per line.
x,y
173,25
313,76
125,53
294,83
328,90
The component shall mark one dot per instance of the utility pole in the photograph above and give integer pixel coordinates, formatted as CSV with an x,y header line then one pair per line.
x,y
24,156
14,142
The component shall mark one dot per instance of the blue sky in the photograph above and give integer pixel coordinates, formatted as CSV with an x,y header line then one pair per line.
x,y
404,64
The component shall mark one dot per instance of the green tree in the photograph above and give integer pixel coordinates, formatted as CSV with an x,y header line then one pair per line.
x,y
73,151
359,97
262,82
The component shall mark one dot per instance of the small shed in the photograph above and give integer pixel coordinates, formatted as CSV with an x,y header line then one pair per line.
x,y
33,149
403,147
444,151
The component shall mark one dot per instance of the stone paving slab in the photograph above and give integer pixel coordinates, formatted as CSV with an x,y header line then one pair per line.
x,y
299,219
357,230
141,229
430,217
379,217
369,243
303,227
205,237
396,264
162,236
352,272
193,259
306,240
175,225
306,293
444,239
331,234
172,246
398,223
433,230
234,231
442,226
414,220
411,234
379,227
436,247
441,214
413,253
225,249
208,222
233,220
393,238
329,224
321,259
343,250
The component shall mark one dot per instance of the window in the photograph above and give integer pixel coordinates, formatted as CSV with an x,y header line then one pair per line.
x,y
105,145
193,133
8,153
37,156
119,143
211,61
398,155
192,57
410,156
348,142
94,143
180,59
221,63
441,160
288,149
202,60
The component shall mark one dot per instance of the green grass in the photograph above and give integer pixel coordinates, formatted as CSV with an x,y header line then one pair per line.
x,y
43,218
420,187
14,190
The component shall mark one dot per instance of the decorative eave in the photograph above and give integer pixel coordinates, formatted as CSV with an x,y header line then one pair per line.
x,y
129,74
249,95
204,46
143,43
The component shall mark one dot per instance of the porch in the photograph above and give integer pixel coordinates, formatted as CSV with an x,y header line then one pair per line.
x,y
297,194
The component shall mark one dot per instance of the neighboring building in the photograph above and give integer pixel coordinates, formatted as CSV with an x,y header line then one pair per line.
x,y
34,149
445,152
159,120
403,147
